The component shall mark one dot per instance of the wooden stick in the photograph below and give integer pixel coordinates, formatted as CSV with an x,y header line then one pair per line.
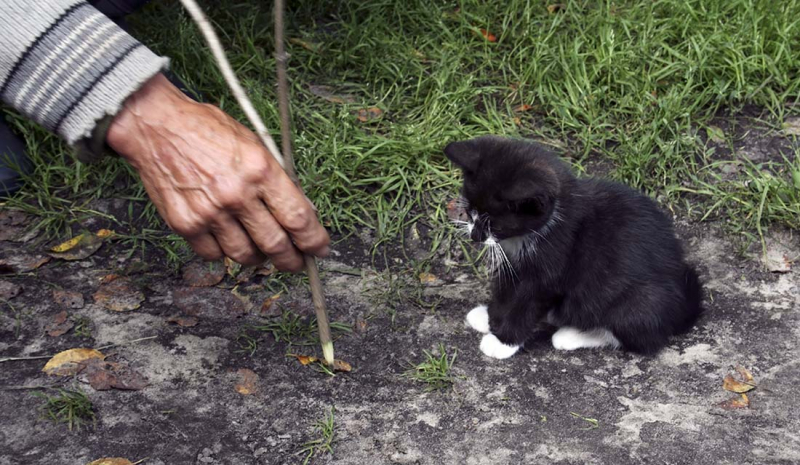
x,y
286,143
286,161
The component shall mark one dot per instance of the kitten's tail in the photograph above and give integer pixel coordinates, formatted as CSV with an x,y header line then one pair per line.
x,y
694,297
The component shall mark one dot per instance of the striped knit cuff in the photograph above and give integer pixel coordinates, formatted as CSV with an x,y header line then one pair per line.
x,y
77,71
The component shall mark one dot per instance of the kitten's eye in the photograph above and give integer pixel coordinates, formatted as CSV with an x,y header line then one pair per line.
x,y
525,207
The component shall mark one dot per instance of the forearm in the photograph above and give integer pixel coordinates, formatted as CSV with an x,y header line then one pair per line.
x,y
66,66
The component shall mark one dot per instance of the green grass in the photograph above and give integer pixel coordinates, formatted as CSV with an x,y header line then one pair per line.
x,y
630,82
71,407
326,429
434,372
296,330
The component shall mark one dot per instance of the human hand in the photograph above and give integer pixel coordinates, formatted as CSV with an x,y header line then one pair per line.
x,y
213,182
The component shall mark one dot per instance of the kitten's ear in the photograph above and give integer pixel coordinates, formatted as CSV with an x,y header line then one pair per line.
x,y
464,154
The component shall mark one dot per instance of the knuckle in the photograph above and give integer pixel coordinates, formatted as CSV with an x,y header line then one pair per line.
x,y
299,219
188,227
274,243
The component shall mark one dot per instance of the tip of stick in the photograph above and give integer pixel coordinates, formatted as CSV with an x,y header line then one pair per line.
x,y
327,353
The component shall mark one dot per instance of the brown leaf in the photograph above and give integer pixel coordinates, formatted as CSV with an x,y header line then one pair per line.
x,y
105,233
304,359
736,402
208,303
488,35
104,375
555,8
245,274
109,277
79,247
361,325
369,114
748,377
427,278
9,290
733,385
338,365
12,224
183,320
200,273
248,382
523,107
791,126
306,45
246,300
265,270
111,461
269,303
59,325
341,365
119,295
69,299
22,263
66,363
327,93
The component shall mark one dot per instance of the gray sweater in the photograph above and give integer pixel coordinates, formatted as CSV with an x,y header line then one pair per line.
x,y
67,66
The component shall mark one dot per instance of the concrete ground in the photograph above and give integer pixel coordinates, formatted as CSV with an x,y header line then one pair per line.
x,y
664,409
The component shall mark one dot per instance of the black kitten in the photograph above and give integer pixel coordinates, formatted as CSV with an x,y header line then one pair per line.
x,y
596,260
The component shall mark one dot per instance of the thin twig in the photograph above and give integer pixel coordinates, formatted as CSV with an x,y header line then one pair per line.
x,y
134,341
18,359
230,77
286,163
286,138
41,357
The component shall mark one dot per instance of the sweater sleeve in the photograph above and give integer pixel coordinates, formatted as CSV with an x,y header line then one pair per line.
x,y
67,66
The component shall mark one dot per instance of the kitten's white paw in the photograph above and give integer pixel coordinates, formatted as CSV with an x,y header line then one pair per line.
x,y
569,338
492,347
478,319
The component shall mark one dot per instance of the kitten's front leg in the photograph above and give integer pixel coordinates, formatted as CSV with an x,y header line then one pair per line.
x,y
503,337
478,319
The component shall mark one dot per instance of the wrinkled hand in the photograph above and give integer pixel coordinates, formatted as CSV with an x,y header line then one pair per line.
x,y
213,182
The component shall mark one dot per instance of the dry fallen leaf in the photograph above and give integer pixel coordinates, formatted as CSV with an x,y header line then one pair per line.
x,y
734,385
369,114
119,295
791,126
338,365
268,303
523,107
427,278
69,299
200,273
327,93
105,233
488,35
265,270
456,212
306,45
111,461
208,303
79,247
736,402
183,320
248,382
748,377
59,325
9,290
22,263
66,363
103,375
12,224
109,277
555,8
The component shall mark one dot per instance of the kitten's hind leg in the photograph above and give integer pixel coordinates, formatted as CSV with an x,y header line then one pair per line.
x,y
569,338
478,319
